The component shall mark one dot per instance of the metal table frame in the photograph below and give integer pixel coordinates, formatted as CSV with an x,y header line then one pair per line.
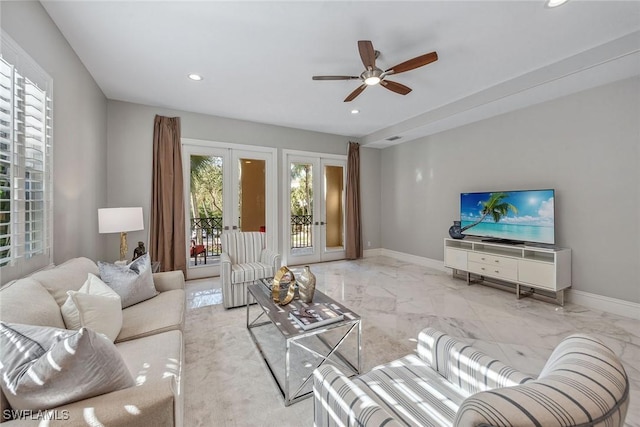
x,y
271,313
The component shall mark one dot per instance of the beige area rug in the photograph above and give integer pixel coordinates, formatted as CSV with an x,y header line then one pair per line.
x,y
227,383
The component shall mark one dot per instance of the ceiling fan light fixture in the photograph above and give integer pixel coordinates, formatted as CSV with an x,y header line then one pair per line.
x,y
355,111
195,77
555,3
373,80
372,77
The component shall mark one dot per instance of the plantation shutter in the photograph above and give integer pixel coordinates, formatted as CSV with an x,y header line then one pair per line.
x,y
32,149
6,127
25,166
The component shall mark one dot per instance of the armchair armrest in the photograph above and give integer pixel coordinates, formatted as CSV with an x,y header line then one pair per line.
x,y
338,401
583,383
271,258
463,365
225,258
552,402
225,268
168,280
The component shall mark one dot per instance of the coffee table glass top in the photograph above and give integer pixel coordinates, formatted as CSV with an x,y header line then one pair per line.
x,y
279,315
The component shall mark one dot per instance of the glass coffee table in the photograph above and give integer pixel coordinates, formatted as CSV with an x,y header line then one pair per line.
x,y
292,353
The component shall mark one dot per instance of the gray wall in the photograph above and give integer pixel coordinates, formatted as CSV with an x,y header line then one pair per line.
x,y
129,154
79,132
585,145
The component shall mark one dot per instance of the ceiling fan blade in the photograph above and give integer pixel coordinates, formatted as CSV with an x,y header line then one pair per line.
x,y
414,63
355,93
334,77
367,53
395,87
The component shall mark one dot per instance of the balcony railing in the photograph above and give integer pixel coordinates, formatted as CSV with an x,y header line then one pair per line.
x,y
301,231
205,237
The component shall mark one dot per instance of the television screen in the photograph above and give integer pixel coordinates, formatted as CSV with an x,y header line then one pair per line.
x,y
524,216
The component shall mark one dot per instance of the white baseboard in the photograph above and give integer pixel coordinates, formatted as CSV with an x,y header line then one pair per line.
x,y
414,259
586,299
602,303
370,253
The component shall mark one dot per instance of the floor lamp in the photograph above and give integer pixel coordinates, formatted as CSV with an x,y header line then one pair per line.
x,y
120,220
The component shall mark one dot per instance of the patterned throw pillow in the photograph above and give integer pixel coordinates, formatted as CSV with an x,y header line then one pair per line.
x,y
43,367
95,306
133,282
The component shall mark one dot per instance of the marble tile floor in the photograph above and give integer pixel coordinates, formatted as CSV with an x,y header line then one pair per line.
x,y
397,299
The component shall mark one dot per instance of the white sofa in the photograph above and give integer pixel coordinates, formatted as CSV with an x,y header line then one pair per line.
x,y
449,383
150,342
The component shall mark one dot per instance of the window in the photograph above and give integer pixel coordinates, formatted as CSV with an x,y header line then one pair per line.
x,y
25,163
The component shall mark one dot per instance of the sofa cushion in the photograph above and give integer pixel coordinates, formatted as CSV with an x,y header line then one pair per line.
x,y
46,367
412,391
465,366
248,272
133,282
142,319
68,276
95,306
18,304
154,358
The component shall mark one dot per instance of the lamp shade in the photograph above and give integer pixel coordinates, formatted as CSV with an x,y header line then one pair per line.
x,y
118,220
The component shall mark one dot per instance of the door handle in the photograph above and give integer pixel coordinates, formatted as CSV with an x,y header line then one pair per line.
x,y
316,223
235,227
226,227
322,223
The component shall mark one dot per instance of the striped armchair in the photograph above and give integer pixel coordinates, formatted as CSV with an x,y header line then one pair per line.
x,y
244,259
450,383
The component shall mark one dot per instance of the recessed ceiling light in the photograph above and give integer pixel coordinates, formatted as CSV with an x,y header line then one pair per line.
x,y
196,77
354,111
555,3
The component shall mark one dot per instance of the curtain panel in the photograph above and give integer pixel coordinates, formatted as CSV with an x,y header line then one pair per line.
x,y
167,235
353,217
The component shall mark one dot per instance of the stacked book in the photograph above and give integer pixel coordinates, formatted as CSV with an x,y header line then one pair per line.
x,y
315,316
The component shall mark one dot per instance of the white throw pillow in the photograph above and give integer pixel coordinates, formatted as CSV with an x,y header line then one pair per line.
x,y
42,367
95,306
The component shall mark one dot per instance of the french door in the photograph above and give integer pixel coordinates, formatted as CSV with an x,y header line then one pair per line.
x,y
228,188
315,226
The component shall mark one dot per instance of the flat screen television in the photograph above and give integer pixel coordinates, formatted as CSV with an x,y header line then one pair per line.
x,y
509,216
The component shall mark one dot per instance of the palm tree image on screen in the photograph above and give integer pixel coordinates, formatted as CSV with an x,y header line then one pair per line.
x,y
496,207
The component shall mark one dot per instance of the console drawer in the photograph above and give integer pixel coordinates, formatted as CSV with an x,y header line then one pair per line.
x,y
497,271
498,261
455,258
537,273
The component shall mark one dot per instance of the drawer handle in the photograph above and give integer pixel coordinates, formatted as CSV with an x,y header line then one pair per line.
x,y
483,258
497,260
482,268
496,271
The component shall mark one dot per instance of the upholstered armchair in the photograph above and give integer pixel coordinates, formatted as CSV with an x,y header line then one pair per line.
x,y
244,260
450,383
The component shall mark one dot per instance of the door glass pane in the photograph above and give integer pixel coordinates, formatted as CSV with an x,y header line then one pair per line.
x,y
334,207
251,200
205,209
301,208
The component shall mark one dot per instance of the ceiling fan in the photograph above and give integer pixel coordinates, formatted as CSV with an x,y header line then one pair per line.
x,y
373,75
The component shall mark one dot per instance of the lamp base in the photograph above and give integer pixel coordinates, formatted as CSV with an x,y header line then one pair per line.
x,y
123,246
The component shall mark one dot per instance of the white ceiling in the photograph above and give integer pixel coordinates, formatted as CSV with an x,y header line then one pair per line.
x,y
257,58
